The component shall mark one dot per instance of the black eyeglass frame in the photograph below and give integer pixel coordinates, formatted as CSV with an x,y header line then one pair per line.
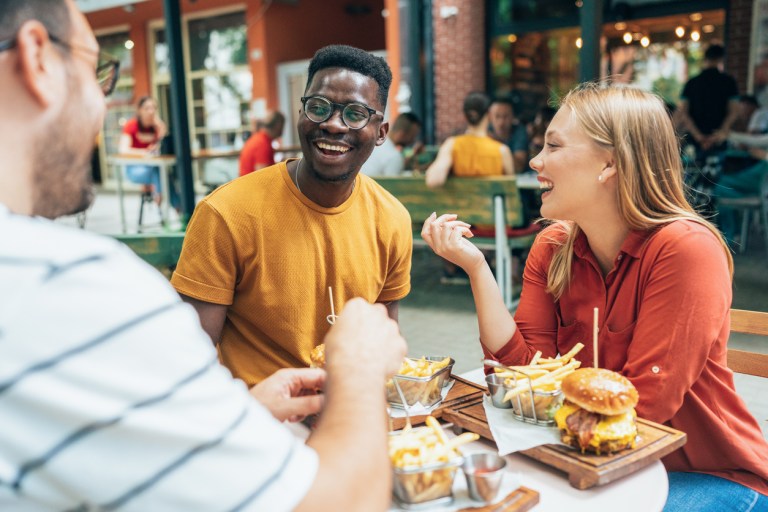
x,y
341,107
109,62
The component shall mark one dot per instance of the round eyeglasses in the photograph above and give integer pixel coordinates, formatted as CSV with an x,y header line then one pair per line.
x,y
354,115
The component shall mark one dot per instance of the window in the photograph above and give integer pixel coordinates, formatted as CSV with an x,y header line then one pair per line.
x,y
220,80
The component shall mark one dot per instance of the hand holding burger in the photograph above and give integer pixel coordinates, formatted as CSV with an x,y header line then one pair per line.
x,y
598,414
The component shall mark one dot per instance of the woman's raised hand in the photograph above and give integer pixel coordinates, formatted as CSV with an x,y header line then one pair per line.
x,y
447,237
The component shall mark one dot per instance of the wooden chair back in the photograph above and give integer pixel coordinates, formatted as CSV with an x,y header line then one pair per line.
x,y
471,198
741,361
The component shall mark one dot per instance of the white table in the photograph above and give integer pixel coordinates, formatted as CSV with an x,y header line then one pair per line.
x,y
164,162
643,491
527,180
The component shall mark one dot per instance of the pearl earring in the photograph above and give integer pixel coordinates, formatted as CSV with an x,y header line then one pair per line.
x,y
600,178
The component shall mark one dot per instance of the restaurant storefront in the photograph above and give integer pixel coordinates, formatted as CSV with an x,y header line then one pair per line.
x,y
535,47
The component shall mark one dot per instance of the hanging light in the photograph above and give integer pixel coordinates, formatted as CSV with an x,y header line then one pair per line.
x,y
695,35
620,25
627,37
128,44
579,42
512,38
680,31
696,16
645,41
708,29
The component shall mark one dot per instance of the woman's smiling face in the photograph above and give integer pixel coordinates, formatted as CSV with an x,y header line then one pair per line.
x,y
568,168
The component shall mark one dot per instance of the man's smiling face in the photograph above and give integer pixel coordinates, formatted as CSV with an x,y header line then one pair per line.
x,y
333,151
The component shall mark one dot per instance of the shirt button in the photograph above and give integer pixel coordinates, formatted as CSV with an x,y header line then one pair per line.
x,y
619,257
655,369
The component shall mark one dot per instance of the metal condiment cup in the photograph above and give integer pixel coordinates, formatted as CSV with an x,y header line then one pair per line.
x,y
497,390
484,472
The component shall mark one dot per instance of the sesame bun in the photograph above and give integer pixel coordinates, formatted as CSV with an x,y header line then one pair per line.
x,y
600,391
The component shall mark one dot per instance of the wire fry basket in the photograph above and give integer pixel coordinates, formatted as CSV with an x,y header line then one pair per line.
x,y
533,405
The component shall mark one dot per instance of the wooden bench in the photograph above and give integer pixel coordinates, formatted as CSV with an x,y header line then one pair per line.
x,y
161,250
492,203
741,361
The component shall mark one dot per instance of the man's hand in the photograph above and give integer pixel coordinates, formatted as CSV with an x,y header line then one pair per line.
x,y
445,235
364,338
291,393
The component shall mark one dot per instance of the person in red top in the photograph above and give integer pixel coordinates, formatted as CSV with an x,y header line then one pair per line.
x,y
628,243
141,136
258,152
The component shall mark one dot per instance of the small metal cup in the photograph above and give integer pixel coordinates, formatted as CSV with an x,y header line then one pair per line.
x,y
484,472
497,390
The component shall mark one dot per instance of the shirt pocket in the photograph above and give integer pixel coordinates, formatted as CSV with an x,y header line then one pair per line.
x,y
614,346
568,336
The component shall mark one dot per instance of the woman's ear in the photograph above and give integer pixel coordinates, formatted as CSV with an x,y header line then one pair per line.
x,y
36,61
609,171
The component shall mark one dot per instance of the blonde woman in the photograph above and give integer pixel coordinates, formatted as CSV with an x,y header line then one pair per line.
x,y
626,241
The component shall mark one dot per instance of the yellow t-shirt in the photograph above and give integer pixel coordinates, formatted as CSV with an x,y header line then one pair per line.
x,y
261,247
476,156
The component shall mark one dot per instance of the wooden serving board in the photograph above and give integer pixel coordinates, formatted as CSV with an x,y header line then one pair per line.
x,y
519,500
584,470
461,392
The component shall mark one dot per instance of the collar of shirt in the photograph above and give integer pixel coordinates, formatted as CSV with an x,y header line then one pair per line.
x,y
632,246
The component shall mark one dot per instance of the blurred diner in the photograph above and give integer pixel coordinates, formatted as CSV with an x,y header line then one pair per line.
x,y
389,159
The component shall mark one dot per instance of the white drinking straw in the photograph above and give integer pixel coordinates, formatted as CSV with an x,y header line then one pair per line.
x,y
594,338
332,317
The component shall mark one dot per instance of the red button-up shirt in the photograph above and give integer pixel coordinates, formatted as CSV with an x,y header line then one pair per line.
x,y
663,323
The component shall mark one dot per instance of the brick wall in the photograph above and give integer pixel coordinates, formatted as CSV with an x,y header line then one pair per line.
x,y
459,65
738,41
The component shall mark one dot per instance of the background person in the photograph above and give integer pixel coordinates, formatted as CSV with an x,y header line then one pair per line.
x,y
258,151
506,128
709,103
141,136
261,287
474,153
626,241
389,159
109,403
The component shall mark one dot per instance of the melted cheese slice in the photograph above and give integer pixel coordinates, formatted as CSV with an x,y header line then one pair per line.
x,y
620,427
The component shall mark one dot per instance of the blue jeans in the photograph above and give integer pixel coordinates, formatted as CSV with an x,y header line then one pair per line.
x,y
739,184
694,492
150,175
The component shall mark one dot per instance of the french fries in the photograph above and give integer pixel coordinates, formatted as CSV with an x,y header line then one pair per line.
x,y
419,381
425,461
422,367
542,378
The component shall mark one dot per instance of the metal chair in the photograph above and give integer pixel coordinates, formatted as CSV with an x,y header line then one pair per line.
x,y
750,207
741,361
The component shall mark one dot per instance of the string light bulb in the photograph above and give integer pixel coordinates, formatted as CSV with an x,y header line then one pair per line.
x,y
645,41
695,35
680,31
627,37
128,44
579,43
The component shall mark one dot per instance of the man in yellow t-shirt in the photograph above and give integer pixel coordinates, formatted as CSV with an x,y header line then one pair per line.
x,y
261,252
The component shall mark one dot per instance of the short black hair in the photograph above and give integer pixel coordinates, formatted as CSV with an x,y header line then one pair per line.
x,y
405,120
475,106
354,59
53,14
507,100
715,52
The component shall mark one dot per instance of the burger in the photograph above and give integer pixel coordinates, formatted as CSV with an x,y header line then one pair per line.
x,y
317,356
598,412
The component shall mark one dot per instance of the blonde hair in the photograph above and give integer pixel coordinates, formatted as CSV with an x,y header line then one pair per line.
x,y
636,127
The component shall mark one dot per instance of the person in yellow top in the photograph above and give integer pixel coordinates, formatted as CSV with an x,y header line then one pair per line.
x,y
475,153
262,251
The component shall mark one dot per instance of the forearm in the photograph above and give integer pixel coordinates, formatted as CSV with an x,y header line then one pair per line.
x,y
351,442
494,319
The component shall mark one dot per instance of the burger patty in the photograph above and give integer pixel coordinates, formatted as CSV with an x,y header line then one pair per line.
x,y
583,423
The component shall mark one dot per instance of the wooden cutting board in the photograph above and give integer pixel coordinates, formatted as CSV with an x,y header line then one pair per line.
x,y
584,470
519,500
461,392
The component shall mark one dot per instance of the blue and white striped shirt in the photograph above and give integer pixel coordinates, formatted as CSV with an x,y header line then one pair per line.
x,y
111,395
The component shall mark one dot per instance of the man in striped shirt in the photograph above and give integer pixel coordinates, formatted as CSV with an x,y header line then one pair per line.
x,y
111,396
